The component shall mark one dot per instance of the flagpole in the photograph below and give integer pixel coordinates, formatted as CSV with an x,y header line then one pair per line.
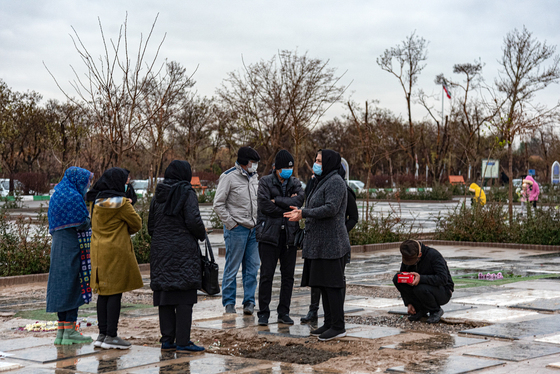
x,y
442,102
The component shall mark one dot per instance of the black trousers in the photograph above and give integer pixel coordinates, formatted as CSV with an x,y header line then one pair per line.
x,y
108,312
316,293
175,323
423,297
333,305
270,255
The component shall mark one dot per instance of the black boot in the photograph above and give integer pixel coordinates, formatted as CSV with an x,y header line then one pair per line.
x,y
311,317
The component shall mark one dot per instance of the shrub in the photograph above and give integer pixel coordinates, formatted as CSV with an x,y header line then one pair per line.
x,y
25,246
381,229
33,183
141,241
208,197
490,224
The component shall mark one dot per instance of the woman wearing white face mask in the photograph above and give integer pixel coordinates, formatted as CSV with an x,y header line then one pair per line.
x,y
326,243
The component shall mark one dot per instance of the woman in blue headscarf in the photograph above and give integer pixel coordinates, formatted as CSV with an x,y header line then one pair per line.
x,y
69,224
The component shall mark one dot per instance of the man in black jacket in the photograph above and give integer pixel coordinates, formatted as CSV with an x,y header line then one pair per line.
x,y
432,285
275,235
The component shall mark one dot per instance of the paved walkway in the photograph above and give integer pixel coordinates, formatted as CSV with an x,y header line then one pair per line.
x,y
522,332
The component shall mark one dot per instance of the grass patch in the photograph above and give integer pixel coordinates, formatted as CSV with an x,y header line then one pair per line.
x,y
467,282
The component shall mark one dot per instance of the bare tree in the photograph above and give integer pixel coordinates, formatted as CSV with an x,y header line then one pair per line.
x,y
194,128
114,86
523,73
278,101
409,57
166,94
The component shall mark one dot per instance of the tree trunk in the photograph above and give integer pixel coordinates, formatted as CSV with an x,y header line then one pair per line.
x,y
510,184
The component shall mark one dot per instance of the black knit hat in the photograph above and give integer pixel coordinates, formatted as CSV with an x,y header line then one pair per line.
x,y
246,154
283,160
409,251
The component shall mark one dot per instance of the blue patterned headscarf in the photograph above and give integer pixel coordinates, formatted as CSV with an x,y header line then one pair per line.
x,y
67,207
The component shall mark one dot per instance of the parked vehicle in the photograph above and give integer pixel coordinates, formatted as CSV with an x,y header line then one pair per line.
x,y
5,186
140,186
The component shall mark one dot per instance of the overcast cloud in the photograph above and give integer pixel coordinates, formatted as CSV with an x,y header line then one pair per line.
x,y
214,35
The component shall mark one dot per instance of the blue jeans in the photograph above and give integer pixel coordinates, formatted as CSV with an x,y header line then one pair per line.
x,y
241,249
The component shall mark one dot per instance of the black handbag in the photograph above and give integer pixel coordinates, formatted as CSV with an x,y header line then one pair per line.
x,y
298,237
210,269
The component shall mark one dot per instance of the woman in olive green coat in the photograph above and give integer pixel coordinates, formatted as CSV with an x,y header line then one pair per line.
x,y
114,269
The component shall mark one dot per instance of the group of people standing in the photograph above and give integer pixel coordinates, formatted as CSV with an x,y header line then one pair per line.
x,y
92,249
261,225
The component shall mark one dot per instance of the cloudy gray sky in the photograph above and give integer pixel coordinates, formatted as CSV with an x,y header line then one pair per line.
x,y
214,35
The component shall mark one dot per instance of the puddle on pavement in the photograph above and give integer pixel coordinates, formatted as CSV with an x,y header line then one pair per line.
x,y
516,351
517,330
447,365
544,255
205,363
21,343
51,353
373,332
229,323
436,343
105,361
546,305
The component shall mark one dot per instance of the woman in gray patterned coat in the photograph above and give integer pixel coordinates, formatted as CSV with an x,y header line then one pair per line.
x,y
326,241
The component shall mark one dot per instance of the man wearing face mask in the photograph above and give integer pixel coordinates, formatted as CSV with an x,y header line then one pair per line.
x,y
235,203
275,234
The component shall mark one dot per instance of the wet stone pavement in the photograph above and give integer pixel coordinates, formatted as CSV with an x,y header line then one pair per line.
x,y
513,325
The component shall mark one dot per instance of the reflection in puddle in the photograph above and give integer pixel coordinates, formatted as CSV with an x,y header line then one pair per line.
x,y
447,365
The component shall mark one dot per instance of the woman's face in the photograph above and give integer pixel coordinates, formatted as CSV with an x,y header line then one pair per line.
x,y
319,159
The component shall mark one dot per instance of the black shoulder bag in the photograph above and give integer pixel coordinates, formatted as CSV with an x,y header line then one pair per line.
x,y
210,269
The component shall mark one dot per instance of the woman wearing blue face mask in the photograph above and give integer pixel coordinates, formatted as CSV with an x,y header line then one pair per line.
x,y
275,235
326,243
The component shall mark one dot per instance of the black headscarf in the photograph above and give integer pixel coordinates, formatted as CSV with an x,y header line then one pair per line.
x,y
331,161
178,176
111,184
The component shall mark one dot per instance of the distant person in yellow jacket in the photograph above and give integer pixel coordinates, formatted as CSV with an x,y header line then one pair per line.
x,y
479,195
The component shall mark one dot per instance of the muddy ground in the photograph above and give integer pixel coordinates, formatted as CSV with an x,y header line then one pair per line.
x,y
345,355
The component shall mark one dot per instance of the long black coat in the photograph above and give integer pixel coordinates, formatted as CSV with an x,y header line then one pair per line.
x,y
175,254
270,217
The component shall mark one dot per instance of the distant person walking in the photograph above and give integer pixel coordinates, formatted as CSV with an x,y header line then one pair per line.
x,y
69,224
114,266
534,190
175,225
235,203
275,234
326,243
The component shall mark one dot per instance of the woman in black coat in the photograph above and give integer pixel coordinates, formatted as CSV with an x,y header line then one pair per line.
x,y
326,243
174,224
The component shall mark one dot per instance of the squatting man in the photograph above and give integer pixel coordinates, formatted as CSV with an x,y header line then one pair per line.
x,y
424,281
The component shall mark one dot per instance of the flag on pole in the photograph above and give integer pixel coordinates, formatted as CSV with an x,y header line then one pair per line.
x,y
444,84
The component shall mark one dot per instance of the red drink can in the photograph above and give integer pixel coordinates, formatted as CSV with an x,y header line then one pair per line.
x,y
405,277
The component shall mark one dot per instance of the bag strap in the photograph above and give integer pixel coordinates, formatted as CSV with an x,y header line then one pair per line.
x,y
209,249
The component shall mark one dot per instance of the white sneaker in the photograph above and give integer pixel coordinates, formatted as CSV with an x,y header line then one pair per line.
x,y
99,341
115,343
